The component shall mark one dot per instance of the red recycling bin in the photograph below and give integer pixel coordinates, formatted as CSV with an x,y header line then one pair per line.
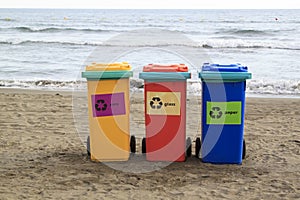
x,y
165,111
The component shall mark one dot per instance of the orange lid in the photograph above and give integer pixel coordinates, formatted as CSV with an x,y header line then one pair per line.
x,y
165,68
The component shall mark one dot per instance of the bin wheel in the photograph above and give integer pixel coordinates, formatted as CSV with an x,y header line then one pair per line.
x,y
88,146
188,147
132,144
197,147
144,145
244,150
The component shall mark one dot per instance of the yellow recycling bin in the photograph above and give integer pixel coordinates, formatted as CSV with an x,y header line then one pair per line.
x,y
108,104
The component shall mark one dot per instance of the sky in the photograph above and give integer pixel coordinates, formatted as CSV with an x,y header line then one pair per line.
x,y
153,4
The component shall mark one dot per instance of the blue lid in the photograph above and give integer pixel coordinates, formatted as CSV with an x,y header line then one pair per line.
x,y
224,68
224,73
165,76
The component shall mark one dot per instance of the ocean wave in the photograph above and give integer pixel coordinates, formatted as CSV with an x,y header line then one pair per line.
x,y
251,32
56,29
24,42
246,44
111,28
42,84
120,28
281,87
7,19
208,44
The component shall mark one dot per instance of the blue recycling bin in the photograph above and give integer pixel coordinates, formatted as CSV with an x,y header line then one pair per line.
x,y
223,103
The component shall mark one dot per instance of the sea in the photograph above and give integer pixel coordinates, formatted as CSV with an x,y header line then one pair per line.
x,y
49,48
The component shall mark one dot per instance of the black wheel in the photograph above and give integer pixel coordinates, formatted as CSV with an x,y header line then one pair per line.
x,y
88,146
188,152
132,144
197,147
144,145
244,150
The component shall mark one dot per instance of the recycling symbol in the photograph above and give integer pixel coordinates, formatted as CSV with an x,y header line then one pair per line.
x,y
101,105
215,112
156,103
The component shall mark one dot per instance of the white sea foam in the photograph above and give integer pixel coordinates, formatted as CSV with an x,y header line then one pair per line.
x,y
208,43
258,87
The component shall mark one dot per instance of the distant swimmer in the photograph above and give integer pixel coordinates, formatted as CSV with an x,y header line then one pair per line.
x,y
276,19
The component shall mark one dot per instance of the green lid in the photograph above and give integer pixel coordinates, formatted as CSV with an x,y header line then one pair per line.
x,y
97,75
164,76
224,76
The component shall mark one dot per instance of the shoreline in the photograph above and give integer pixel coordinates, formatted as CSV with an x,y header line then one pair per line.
x,y
71,91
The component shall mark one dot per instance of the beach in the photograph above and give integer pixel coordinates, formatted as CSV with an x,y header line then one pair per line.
x,y
43,157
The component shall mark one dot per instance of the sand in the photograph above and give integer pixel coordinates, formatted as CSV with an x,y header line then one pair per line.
x,y
43,157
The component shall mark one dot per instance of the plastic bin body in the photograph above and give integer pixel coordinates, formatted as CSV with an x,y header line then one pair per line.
x,y
165,111
108,104
223,103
